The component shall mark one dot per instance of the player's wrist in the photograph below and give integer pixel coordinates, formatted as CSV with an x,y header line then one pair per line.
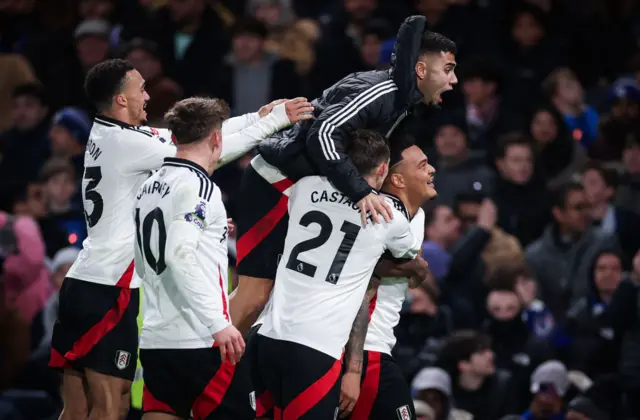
x,y
216,327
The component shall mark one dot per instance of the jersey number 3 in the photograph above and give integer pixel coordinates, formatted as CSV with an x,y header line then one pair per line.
x,y
350,231
143,237
94,175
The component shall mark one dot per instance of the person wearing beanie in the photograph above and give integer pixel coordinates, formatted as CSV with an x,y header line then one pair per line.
x,y
69,134
582,408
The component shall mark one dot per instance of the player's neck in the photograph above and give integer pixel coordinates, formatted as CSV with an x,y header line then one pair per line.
x,y
404,197
197,154
120,115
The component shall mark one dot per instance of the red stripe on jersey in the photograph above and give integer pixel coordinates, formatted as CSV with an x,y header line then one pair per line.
x,y
214,392
89,339
264,403
125,278
56,360
247,242
225,309
152,404
369,388
372,305
282,185
311,396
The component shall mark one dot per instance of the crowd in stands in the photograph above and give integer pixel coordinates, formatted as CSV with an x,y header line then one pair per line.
x,y
533,307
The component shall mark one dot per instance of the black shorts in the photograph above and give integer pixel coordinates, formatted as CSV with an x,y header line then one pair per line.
x,y
242,396
303,383
384,392
181,381
262,220
97,329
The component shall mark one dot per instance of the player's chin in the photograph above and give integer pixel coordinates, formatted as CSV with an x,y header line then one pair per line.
x,y
431,193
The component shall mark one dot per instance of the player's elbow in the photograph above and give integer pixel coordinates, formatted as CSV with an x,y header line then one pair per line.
x,y
256,294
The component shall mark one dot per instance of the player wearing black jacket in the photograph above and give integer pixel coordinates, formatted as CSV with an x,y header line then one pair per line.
x,y
422,69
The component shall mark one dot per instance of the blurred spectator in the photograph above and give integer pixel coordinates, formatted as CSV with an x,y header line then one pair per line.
x,y
549,384
373,36
163,92
487,115
582,408
558,156
422,327
521,197
625,317
276,15
600,187
59,178
25,147
565,91
441,230
69,133
251,77
620,123
14,343
433,388
562,257
92,42
515,347
25,278
628,195
28,199
424,411
478,387
191,42
458,170
531,54
592,348
14,71
519,278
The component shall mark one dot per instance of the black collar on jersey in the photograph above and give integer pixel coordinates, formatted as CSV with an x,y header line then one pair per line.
x,y
110,122
184,163
399,205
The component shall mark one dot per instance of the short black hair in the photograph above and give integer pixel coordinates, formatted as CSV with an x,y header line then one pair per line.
x,y
505,276
193,119
515,138
480,67
399,144
105,80
378,28
559,195
250,26
367,149
33,89
15,192
434,42
149,47
609,176
460,346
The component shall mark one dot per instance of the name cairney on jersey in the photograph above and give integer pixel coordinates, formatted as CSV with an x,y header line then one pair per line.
x,y
326,265
181,255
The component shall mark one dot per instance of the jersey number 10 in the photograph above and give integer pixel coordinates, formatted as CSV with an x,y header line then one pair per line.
x,y
143,237
350,231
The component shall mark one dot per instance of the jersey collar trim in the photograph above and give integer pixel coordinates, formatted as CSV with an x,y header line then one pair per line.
x,y
184,163
110,122
399,205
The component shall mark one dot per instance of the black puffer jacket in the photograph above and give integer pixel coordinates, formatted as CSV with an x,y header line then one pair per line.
x,y
374,100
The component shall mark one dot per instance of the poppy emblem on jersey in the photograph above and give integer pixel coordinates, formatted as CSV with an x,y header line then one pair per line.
x,y
403,412
122,359
154,131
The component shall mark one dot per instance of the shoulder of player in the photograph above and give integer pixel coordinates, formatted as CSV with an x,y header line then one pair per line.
x,y
397,206
191,183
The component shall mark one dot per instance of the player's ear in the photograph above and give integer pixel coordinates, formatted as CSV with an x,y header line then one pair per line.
x,y
217,139
421,68
383,170
397,180
120,100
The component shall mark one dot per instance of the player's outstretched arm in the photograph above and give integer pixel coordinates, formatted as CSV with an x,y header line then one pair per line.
x,y
328,136
235,124
283,115
354,353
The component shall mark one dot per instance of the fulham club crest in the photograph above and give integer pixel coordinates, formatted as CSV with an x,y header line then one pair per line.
x,y
122,359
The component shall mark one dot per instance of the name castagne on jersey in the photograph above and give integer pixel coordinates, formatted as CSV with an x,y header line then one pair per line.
x,y
339,198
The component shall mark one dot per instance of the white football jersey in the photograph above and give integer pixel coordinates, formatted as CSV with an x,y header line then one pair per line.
x,y
326,265
119,157
181,255
384,310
